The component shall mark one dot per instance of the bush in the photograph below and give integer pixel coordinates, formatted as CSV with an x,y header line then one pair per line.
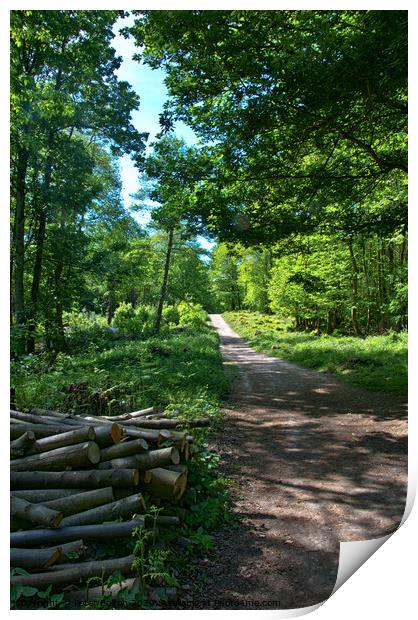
x,y
123,319
191,314
171,315
134,322
85,328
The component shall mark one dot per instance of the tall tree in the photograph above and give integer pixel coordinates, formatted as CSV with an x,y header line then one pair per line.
x,y
170,166
63,86
224,278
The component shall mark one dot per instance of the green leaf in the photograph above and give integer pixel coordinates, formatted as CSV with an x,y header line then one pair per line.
x,y
19,571
29,591
45,593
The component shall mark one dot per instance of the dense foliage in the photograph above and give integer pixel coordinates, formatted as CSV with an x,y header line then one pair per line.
x,y
70,116
323,282
74,245
304,115
112,373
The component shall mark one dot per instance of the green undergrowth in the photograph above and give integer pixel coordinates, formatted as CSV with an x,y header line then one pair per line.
x,y
180,367
378,363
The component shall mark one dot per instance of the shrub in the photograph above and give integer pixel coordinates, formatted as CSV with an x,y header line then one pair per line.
x,y
134,322
191,314
85,328
171,315
123,318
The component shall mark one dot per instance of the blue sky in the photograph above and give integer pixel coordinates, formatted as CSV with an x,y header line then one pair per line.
x,y
149,85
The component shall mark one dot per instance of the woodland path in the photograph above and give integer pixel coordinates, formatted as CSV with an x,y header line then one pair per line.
x,y
314,462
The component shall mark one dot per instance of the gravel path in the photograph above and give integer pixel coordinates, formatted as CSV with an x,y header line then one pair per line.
x,y
314,462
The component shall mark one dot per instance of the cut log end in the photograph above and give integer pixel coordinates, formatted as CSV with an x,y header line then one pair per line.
x,y
93,453
116,433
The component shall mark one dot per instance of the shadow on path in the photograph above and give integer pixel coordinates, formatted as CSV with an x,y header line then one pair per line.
x,y
315,462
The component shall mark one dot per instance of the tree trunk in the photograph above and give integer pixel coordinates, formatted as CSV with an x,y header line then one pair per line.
x,y
40,239
111,307
21,446
158,458
35,513
167,484
69,456
122,508
355,290
19,427
142,412
40,242
42,496
129,427
165,280
167,424
128,416
60,336
81,502
124,462
136,446
74,479
154,458
103,531
108,434
78,435
75,574
19,241
43,558
36,419
151,436
36,280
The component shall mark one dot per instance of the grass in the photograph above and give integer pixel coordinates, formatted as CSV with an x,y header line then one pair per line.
x,y
178,368
378,363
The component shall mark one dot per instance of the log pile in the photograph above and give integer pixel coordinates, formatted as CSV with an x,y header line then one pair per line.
x,y
78,480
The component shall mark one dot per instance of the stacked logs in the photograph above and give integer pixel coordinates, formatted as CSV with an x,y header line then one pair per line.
x,y
78,480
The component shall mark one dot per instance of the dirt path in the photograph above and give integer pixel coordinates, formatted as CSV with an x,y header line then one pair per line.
x,y
314,462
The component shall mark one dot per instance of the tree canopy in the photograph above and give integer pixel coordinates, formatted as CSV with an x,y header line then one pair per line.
x,y
300,111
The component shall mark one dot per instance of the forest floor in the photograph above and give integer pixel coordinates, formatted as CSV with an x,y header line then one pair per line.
x,y
313,462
